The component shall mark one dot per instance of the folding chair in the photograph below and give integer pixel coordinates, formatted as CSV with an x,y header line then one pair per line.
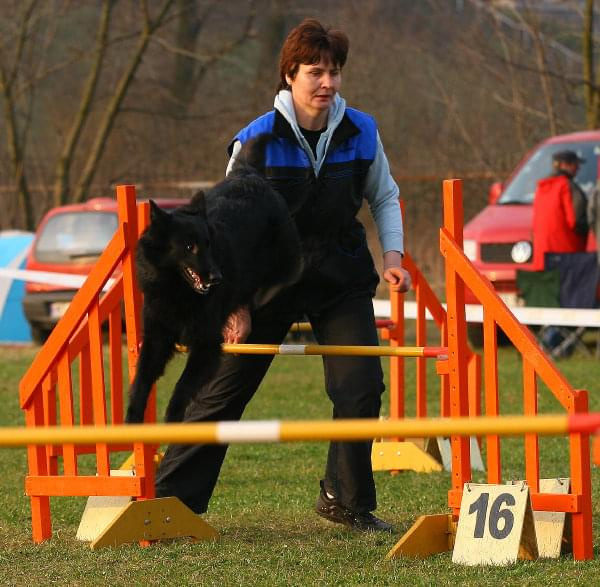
x,y
569,280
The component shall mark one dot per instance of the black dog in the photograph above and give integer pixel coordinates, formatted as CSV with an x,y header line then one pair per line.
x,y
232,246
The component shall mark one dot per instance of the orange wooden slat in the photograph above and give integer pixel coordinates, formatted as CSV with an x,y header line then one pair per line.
x,y
84,485
65,396
530,405
397,377
421,339
49,410
492,404
115,333
41,523
98,386
85,384
581,484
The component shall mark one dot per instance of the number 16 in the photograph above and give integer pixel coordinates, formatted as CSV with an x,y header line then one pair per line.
x,y
480,505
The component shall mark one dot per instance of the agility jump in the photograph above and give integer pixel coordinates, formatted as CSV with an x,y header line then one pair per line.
x,y
48,393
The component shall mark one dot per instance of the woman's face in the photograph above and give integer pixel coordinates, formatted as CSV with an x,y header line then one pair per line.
x,y
315,86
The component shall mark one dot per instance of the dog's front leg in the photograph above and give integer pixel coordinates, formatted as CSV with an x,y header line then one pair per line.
x,y
200,367
157,349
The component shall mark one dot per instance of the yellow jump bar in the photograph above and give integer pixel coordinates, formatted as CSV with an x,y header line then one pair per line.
x,y
339,350
294,431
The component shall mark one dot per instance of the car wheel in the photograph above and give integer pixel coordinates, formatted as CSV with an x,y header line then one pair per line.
x,y
39,334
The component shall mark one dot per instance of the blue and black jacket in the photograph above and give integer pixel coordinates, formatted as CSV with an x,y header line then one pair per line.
x,y
324,205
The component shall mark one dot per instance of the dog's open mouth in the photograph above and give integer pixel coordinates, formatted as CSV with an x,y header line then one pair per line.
x,y
195,281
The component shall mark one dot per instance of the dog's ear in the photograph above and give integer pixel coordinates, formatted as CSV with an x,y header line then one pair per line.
x,y
157,214
198,203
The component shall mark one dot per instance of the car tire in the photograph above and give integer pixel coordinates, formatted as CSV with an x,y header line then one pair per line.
x,y
39,334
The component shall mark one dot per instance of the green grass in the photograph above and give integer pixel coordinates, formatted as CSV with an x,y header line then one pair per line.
x,y
263,504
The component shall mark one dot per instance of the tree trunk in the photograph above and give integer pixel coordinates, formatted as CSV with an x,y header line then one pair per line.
x,y
590,90
189,26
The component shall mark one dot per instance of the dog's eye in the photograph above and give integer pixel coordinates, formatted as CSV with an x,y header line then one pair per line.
x,y
191,247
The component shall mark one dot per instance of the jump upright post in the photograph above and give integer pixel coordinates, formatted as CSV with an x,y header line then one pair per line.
x,y
460,273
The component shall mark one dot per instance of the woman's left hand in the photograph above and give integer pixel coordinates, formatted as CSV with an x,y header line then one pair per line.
x,y
394,273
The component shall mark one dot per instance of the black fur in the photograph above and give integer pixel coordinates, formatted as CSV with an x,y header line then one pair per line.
x,y
234,245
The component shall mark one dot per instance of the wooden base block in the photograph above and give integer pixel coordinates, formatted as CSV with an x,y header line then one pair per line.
x,y
129,463
154,519
429,535
401,456
439,449
101,510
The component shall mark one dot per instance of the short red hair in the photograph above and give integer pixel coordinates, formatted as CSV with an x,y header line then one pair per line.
x,y
308,43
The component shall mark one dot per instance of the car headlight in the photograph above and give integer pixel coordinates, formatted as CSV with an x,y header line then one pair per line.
x,y
470,249
521,252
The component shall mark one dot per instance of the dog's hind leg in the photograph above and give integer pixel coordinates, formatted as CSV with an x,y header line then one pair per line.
x,y
200,367
157,349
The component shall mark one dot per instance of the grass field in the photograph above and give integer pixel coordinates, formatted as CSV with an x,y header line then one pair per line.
x,y
263,504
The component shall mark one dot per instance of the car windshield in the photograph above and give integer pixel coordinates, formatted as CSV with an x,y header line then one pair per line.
x,y
75,237
521,188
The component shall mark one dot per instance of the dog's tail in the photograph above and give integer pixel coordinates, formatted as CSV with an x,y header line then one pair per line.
x,y
253,154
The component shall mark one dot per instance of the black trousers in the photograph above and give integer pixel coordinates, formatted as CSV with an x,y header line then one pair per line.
x,y
354,386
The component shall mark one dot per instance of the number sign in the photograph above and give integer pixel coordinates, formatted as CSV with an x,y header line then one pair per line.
x,y
495,525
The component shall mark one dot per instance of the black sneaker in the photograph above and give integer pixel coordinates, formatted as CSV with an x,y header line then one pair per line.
x,y
331,510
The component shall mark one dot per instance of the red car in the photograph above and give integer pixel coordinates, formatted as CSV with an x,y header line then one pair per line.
x,y
69,240
499,239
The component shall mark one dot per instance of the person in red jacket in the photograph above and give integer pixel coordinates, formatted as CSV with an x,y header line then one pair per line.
x,y
560,225
559,211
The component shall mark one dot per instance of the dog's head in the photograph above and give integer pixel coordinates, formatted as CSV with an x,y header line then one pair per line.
x,y
186,242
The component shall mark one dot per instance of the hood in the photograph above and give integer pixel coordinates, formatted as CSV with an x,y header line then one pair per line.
x,y
501,224
284,103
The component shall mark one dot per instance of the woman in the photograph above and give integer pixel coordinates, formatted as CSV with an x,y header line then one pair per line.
x,y
323,158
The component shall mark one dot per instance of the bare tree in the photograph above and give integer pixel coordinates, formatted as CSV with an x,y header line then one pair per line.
x,y
87,103
16,140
